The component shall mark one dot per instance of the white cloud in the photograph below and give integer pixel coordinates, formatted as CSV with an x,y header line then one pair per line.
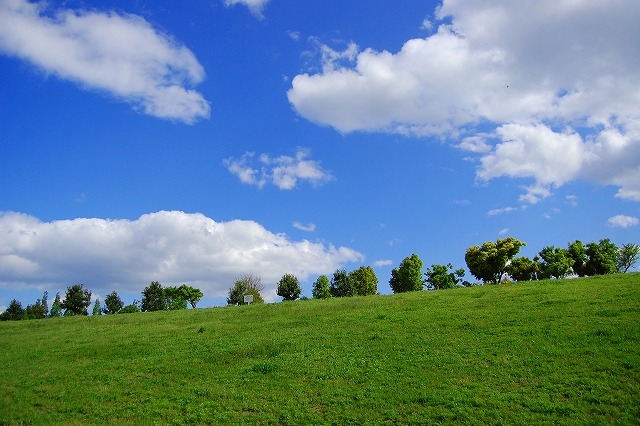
x,y
284,171
382,262
558,98
310,227
255,6
503,231
119,54
622,221
169,246
500,211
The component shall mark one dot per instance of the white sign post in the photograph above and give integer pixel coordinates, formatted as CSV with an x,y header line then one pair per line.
x,y
248,298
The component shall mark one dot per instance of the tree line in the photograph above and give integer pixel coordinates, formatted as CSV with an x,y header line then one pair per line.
x,y
491,263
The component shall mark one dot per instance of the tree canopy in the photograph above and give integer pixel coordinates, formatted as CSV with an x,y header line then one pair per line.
x,y
408,276
246,284
289,287
76,300
364,281
153,298
321,288
443,276
489,261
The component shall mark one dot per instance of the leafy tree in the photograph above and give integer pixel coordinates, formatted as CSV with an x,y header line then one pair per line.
x,y
556,262
14,312
578,253
489,261
36,311
56,307
341,285
129,309
246,284
97,310
321,289
522,269
76,300
289,287
154,298
364,281
112,303
45,303
175,298
628,256
442,276
602,258
408,276
190,294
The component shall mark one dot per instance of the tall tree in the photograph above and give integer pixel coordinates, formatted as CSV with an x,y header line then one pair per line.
x,y
628,256
602,258
246,284
364,281
14,312
489,261
289,287
97,310
56,307
556,262
321,288
112,303
154,298
76,300
443,276
341,285
408,276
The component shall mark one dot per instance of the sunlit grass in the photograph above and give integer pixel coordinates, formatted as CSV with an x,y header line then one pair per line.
x,y
552,352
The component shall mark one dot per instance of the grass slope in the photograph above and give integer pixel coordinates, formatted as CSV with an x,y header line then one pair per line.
x,y
553,352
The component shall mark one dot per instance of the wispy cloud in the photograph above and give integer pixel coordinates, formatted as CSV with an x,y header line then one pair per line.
x,y
121,55
622,221
502,210
169,246
310,227
382,262
255,6
283,171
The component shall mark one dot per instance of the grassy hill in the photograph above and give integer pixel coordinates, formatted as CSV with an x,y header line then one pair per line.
x,y
551,352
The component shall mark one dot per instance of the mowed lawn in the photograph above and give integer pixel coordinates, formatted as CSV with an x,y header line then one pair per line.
x,y
550,352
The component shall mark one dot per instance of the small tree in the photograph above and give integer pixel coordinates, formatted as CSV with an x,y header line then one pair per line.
x,y
556,262
246,284
602,258
97,310
37,310
489,261
56,307
628,256
14,312
578,253
289,287
175,298
522,269
190,294
408,276
364,281
439,277
130,309
76,300
154,298
341,285
112,303
321,289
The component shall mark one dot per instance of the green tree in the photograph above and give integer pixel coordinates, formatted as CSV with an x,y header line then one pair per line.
x,y
129,309
191,294
112,303
38,310
289,287
246,284
628,256
578,253
175,298
321,289
154,298
97,310
364,281
408,276
341,285
14,312
443,276
489,261
76,300
556,262
523,269
602,258
56,307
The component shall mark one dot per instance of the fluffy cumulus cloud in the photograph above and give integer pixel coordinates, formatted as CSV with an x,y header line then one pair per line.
x,y
255,6
622,221
121,55
544,91
169,246
283,171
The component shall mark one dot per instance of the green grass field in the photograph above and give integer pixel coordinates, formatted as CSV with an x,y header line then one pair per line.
x,y
551,352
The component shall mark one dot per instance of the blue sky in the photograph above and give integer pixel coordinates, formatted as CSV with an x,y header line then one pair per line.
x,y
194,142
